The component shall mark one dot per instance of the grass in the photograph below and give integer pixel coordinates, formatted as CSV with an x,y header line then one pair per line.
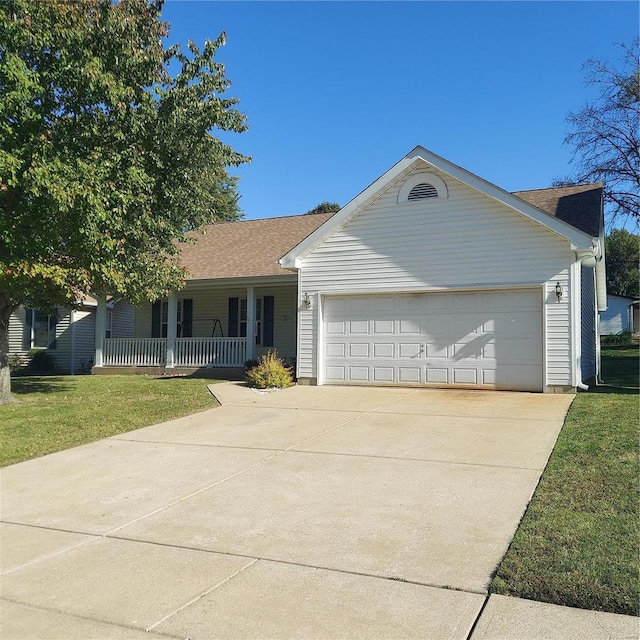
x,y
56,413
579,541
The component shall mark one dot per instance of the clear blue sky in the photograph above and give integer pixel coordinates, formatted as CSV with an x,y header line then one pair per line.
x,y
337,92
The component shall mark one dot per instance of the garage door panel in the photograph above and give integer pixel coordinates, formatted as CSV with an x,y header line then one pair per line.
x,y
359,374
409,374
383,374
479,339
434,375
384,327
359,350
336,328
383,350
436,350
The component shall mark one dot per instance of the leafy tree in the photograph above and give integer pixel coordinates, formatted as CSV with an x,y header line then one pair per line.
x,y
622,250
107,152
605,134
324,207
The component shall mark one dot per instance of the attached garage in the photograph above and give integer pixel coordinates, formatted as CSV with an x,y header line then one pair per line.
x,y
481,339
432,276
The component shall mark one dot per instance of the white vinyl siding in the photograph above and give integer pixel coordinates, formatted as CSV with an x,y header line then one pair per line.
x,y
123,315
464,242
83,334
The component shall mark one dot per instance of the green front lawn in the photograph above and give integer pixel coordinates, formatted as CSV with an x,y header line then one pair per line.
x,y
579,541
56,413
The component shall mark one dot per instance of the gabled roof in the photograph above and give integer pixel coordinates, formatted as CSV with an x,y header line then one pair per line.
x,y
579,205
247,248
422,158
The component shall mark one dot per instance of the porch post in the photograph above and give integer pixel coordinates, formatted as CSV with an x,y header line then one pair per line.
x,y
251,323
172,326
101,328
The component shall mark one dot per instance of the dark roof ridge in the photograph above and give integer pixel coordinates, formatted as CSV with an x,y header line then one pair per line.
x,y
594,185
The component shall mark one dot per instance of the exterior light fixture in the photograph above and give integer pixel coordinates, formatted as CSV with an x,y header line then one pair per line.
x,y
559,291
306,301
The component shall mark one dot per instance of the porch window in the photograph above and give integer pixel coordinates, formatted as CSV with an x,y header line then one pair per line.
x,y
263,328
242,320
164,315
160,318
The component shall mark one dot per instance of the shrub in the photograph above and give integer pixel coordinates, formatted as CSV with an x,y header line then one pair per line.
x,y
16,361
624,338
41,361
270,372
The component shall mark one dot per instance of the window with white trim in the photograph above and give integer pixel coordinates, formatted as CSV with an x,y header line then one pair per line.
x,y
164,317
242,320
40,333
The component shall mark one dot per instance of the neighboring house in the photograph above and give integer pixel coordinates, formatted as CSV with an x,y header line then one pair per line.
x,y
430,276
621,315
68,334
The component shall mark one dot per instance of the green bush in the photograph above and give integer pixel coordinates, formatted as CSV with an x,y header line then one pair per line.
x,y
41,361
624,338
16,361
270,372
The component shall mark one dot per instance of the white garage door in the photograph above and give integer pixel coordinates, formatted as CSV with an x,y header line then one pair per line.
x,y
488,339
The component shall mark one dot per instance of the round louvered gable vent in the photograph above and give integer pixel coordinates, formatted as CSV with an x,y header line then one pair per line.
x,y
422,191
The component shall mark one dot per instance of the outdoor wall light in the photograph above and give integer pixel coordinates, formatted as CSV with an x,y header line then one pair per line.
x,y
306,301
559,291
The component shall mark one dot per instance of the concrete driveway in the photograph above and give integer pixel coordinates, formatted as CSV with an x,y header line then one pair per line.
x,y
314,512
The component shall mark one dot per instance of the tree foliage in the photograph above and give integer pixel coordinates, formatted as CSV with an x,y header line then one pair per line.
x,y
107,151
605,134
324,207
622,249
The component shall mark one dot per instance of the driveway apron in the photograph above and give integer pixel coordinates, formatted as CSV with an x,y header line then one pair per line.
x,y
313,512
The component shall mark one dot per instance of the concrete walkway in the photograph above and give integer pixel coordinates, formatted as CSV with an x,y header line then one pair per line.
x,y
314,512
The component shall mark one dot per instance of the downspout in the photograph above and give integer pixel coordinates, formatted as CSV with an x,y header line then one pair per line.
x,y
588,258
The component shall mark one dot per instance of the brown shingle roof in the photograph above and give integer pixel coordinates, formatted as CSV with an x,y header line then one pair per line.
x,y
247,247
580,206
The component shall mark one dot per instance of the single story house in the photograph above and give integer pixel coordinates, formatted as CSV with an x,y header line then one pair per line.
x,y
621,315
69,335
430,276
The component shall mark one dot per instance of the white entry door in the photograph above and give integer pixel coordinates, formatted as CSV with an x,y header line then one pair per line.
x,y
487,339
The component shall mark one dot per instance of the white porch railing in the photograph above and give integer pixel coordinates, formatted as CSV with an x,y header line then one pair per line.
x,y
134,352
187,352
210,352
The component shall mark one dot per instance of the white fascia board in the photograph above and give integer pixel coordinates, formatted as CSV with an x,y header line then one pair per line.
x,y
293,259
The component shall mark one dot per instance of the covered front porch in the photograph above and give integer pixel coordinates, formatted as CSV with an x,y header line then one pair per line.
x,y
206,325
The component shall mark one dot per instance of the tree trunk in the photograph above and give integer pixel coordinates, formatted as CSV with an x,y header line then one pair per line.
x,y
5,379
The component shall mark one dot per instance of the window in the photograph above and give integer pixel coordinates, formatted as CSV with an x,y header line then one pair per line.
x,y
264,320
160,316
242,320
39,330
109,328
164,314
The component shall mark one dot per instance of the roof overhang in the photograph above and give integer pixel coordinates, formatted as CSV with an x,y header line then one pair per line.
x,y
422,158
243,281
